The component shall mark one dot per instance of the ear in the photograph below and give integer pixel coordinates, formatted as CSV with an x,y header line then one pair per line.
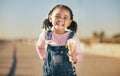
x,y
50,18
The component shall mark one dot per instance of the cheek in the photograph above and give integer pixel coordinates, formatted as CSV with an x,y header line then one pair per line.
x,y
53,21
68,23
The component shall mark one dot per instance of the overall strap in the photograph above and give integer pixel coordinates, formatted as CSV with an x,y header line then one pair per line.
x,y
70,35
49,35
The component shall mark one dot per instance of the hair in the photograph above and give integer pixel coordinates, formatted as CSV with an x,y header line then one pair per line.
x,y
47,25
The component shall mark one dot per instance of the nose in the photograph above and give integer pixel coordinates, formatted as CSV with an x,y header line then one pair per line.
x,y
61,19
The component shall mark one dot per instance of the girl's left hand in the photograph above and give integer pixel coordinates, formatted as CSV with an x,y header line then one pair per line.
x,y
72,57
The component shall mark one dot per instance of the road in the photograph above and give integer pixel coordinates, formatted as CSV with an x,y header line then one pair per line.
x,y
21,59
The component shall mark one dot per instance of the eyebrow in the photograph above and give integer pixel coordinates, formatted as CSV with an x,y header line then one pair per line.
x,y
64,15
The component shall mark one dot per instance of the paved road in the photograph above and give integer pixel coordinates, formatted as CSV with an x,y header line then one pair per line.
x,y
21,59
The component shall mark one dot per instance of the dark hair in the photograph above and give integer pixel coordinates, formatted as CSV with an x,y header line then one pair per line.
x,y
48,25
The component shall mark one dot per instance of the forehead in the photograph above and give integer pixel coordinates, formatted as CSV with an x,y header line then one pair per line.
x,y
61,10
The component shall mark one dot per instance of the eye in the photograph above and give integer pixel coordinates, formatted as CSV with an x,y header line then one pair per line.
x,y
65,18
57,16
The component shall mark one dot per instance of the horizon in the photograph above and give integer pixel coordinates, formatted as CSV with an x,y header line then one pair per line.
x,y
23,19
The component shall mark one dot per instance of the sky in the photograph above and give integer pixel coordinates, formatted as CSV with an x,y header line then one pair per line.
x,y
24,18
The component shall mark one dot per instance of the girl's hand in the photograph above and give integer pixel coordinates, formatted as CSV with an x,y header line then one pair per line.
x,y
72,57
43,60
71,54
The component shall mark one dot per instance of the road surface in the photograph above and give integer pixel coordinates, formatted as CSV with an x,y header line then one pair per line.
x,y
21,59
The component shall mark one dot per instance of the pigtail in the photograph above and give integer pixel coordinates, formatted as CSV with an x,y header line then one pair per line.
x,y
73,26
47,25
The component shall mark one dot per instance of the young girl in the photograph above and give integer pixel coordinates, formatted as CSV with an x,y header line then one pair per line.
x,y
54,44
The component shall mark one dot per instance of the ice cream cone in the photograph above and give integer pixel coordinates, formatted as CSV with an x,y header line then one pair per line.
x,y
70,45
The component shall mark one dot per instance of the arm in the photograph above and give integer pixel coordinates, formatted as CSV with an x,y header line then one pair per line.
x,y
78,48
76,55
40,46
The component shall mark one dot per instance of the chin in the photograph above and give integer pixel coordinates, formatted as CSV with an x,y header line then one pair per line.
x,y
59,27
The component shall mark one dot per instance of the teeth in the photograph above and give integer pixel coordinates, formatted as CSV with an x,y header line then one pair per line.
x,y
61,23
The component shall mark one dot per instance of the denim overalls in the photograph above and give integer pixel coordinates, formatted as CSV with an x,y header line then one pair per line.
x,y
57,61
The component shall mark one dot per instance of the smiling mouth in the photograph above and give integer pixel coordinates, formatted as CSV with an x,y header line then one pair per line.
x,y
60,24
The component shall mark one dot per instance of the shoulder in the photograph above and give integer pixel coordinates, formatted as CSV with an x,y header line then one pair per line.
x,y
76,37
42,34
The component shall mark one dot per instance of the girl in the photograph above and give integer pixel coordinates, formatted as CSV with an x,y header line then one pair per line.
x,y
54,41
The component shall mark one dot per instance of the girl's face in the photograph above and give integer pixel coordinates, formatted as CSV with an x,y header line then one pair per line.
x,y
60,19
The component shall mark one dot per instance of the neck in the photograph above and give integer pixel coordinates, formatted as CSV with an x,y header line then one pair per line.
x,y
60,31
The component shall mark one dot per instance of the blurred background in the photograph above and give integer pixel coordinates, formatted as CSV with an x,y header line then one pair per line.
x,y
98,30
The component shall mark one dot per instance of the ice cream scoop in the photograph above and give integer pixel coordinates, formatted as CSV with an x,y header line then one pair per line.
x,y
70,44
